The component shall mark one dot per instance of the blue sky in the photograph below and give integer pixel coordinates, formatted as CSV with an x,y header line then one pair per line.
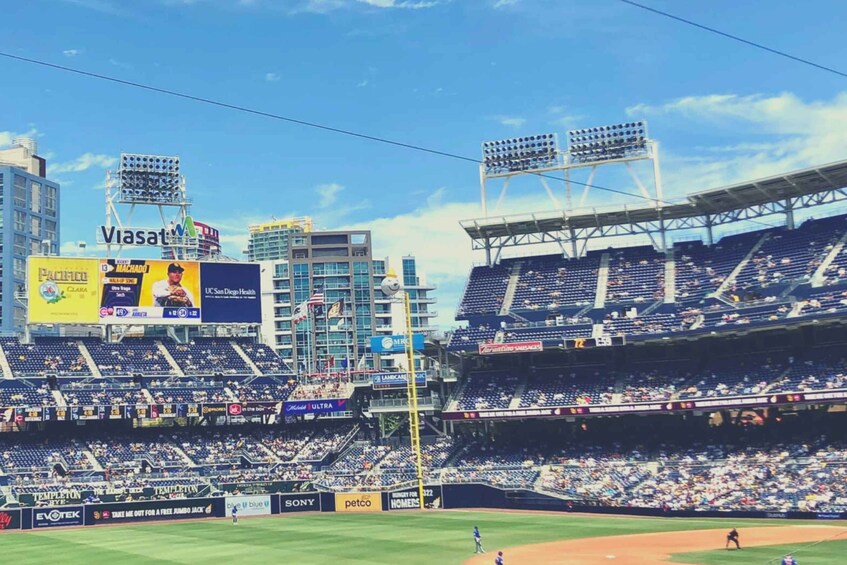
x,y
442,74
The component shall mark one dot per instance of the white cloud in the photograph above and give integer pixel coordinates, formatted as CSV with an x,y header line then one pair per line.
x,y
407,4
329,194
71,52
511,121
780,132
72,249
272,77
6,137
362,83
504,3
83,163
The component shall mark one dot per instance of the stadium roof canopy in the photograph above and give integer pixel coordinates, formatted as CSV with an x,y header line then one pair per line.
x,y
779,194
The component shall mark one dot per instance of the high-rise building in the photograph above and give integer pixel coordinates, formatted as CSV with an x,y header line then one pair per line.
x,y
208,244
270,241
340,266
29,208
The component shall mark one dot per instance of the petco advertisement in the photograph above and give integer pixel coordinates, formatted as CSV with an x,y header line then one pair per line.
x,y
306,502
358,502
249,505
231,293
143,291
57,517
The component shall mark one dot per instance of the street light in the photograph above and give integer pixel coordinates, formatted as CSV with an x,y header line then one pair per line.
x,y
391,287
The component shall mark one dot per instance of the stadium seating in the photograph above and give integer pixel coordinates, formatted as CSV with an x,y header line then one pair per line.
x,y
206,356
45,356
101,392
636,274
552,283
130,356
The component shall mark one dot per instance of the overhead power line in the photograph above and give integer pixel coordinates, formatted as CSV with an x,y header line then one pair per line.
x,y
737,38
305,123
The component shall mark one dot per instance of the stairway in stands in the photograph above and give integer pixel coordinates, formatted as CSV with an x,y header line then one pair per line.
x,y
670,276
740,266
246,359
83,350
4,365
602,281
171,361
819,276
511,287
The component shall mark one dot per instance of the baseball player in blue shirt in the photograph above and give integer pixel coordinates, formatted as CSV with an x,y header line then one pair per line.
x,y
789,560
477,539
234,514
499,559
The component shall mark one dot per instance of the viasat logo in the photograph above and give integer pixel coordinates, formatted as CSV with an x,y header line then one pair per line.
x,y
186,229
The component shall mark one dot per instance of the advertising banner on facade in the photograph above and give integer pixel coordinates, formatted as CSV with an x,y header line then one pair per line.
x,y
303,502
255,505
144,291
382,381
10,520
516,347
62,290
358,502
230,293
141,291
410,498
153,510
294,408
57,517
389,344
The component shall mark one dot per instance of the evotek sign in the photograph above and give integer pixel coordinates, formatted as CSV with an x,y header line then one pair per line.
x,y
112,235
56,517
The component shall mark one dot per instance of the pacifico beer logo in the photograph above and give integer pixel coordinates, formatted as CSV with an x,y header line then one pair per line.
x,y
5,520
358,502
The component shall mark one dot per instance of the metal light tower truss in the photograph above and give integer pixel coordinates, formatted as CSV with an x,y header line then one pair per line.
x,y
149,180
539,155
752,201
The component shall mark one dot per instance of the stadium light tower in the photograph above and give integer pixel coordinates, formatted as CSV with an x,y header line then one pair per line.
x,y
149,180
591,148
391,287
507,158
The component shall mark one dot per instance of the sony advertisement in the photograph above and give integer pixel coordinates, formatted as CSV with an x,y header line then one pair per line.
x,y
305,502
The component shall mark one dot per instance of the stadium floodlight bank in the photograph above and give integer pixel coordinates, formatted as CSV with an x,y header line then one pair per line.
x,y
150,179
520,154
619,141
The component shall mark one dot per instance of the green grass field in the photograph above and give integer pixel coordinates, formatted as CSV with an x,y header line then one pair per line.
x,y
392,538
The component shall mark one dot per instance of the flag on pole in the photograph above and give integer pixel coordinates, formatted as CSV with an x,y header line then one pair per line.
x,y
336,310
316,299
301,312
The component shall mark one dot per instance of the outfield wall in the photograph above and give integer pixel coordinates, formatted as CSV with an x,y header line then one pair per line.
x,y
451,496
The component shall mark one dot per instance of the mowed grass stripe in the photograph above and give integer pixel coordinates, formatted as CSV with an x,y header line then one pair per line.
x,y
407,538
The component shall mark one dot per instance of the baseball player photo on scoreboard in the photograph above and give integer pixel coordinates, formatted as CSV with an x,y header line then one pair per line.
x,y
140,291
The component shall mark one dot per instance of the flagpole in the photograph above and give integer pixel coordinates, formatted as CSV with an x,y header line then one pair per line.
x,y
326,357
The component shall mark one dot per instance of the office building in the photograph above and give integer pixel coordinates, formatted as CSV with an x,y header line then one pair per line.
x,y
341,266
29,207
270,241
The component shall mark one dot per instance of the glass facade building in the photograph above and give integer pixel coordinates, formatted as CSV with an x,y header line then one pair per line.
x,y
340,265
29,212
270,241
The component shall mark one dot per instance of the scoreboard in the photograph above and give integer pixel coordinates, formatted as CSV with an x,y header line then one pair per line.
x,y
588,342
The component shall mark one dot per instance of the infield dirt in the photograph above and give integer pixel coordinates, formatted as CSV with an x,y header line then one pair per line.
x,y
644,549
